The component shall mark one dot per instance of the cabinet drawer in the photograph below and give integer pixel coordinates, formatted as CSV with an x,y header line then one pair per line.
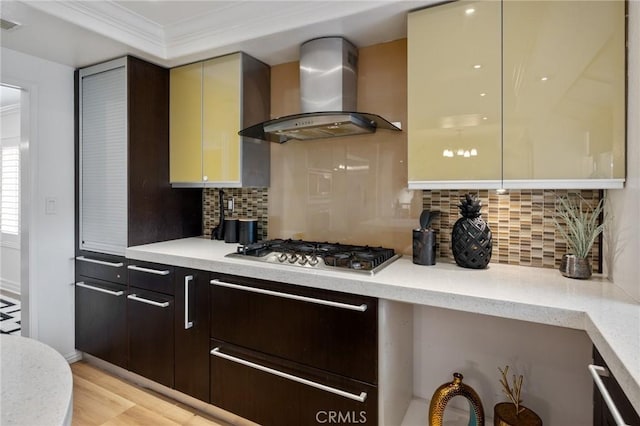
x,y
332,331
102,266
271,391
100,313
151,276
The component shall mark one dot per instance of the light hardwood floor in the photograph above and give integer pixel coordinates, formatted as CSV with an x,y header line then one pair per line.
x,y
100,398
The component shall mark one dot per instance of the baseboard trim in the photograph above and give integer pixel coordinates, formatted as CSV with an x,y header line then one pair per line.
x,y
10,286
74,356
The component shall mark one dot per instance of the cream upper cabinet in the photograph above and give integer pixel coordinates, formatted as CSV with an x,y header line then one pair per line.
x,y
564,93
518,94
185,125
210,103
454,96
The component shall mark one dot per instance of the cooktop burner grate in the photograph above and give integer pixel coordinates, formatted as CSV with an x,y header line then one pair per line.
x,y
321,255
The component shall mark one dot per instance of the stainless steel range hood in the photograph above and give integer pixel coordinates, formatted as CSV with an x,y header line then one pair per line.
x,y
328,86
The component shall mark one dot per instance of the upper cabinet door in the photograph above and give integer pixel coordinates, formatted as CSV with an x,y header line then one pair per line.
x,y
454,91
221,108
564,92
519,94
210,102
185,126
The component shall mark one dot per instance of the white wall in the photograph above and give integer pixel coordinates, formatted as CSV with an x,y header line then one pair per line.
x,y
622,242
51,157
553,360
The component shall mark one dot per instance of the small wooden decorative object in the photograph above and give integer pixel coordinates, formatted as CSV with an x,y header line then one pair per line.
x,y
513,413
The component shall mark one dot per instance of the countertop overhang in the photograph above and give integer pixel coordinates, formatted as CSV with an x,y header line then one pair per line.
x,y
603,310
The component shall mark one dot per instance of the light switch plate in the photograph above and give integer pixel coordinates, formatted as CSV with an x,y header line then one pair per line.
x,y
50,205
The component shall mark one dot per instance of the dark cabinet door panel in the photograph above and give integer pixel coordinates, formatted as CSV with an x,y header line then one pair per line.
x,y
151,342
192,333
323,329
601,414
101,315
271,391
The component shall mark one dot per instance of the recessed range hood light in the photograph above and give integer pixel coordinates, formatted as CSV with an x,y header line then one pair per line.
x,y
328,72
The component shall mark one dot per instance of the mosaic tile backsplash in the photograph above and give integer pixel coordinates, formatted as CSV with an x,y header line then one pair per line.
x,y
250,203
521,222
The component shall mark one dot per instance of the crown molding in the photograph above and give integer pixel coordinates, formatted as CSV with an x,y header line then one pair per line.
x,y
111,20
257,26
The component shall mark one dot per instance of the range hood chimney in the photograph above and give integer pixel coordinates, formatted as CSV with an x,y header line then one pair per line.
x,y
328,95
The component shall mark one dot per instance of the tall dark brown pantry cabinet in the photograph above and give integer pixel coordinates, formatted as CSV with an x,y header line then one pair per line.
x,y
123,196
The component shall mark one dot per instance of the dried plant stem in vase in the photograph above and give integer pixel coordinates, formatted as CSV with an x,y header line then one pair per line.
x,y
513,413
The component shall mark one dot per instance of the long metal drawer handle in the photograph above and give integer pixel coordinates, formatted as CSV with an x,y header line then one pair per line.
x,y
103,290
597,371
147,301
100,262
359,308
360,398
148,270
187,324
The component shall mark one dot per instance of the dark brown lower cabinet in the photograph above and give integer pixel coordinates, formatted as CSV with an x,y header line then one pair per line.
x,y
272,391
192,333
601,414
323,329
291,355
150,317
101,327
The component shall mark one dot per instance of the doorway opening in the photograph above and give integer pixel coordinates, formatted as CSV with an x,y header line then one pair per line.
x,y
14,221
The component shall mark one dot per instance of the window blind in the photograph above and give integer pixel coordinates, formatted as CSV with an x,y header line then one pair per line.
x,y
10,209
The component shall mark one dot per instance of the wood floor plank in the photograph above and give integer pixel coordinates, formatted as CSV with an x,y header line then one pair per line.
x,y
94,405
138,415
201,421
139,396
102,399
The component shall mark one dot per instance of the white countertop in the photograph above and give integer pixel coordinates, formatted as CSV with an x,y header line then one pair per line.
x,y
607,314
37,384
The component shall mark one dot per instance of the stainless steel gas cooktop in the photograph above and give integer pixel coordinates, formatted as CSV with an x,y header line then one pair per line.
x,y
317,255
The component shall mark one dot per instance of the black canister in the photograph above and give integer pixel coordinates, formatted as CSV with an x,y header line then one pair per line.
x,y
424,246
231,230
248,231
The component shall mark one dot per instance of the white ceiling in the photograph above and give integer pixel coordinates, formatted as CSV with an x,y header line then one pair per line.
x,y
170,33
